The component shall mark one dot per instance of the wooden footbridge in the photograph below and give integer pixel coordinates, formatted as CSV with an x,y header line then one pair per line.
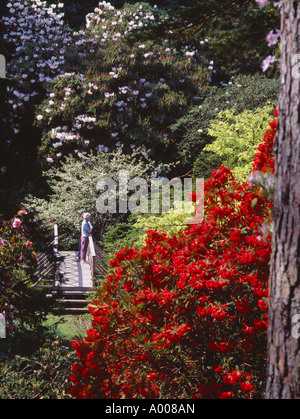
x,y
67,281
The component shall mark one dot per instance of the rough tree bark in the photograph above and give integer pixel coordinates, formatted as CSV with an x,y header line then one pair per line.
x,y
283,381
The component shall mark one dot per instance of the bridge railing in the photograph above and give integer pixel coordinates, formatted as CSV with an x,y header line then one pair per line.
x,y
95,258
55,247
91,256
47,262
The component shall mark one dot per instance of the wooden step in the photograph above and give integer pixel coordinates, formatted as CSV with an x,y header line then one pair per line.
x,y
74,301
65,292
84,290
73,293
69,300
71,310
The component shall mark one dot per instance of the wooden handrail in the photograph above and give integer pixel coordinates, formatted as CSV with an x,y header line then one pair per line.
x,y
55,238
91,255
42,258
94,256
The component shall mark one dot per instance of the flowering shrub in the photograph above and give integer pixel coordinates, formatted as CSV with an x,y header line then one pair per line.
x,y
19,303
264,159
74,189
119,94
39,40
186,316
272,38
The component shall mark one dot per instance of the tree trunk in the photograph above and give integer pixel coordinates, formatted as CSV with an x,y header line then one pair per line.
x,y
283,381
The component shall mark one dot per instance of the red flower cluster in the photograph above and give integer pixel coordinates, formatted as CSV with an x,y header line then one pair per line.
x,y
187,315
264,160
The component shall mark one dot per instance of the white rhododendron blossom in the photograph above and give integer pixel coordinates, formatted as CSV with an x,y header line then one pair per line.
x,y
40,40
98,93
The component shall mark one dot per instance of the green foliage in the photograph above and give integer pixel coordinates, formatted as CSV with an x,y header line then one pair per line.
x,y
237,137
232,33
134,231
119,236
242,93
238,37
43,375
169,223
206,163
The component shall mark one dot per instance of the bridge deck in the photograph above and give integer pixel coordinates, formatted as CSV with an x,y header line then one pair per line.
x,y
76,275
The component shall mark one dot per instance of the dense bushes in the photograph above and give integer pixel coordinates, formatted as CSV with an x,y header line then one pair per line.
x,y
22,306
120,94
186,316
236,138
242,93
42,375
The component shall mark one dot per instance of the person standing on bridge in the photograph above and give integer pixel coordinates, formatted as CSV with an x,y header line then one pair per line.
x,y
86,231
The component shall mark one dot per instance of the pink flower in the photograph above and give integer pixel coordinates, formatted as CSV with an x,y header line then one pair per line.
x,y
267,62
272,38
17,222
262,3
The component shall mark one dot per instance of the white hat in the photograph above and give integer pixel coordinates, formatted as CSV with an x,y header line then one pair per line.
x,y
86,216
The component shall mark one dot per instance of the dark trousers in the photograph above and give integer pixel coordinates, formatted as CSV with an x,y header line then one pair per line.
x,y
84,247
